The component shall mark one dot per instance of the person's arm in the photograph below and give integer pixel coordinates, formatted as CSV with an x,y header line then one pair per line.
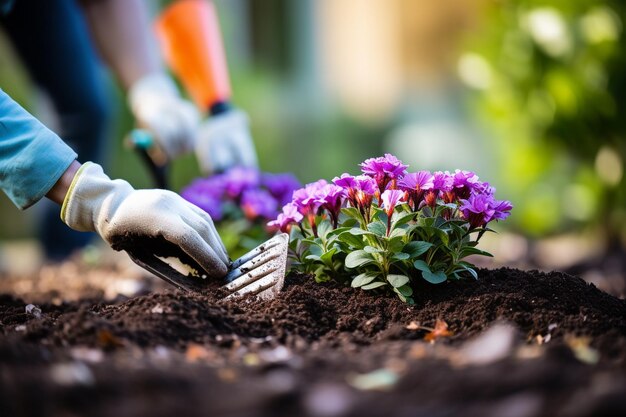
x,y
121,30
32,157
35,162
58,192
123,35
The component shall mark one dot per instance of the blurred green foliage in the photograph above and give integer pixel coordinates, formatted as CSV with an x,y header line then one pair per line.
x,y
549,79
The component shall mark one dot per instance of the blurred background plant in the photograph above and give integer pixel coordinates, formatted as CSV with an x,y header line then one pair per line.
x,y
527,92
241,201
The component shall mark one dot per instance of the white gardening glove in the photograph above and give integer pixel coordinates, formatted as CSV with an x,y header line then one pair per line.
x,y
114,209
157,106
224,141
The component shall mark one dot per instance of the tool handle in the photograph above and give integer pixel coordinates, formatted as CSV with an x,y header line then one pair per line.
x,y
191,42
142,141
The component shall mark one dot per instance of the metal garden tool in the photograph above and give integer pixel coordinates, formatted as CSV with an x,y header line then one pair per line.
x,y
260,272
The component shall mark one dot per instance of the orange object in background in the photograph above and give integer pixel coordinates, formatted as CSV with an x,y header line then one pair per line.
x,y
190,39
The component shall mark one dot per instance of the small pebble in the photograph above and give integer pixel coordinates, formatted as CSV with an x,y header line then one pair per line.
x,y
33,310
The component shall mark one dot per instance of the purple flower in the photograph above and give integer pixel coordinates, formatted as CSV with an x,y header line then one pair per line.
x,y
308,203
463,182
416,184
390,199
206,201
385,169
306,199
502,209
238,179
331,198
346,181
478,210
281,186
285,219
442,186
258,203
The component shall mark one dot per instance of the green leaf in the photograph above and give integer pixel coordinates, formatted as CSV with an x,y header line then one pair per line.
x,y
434,277
351,239
378,228
400,256
358,258
371,249
417,248
466,266
468,250
395,244
313,257
337,231
327,258
363,279
373,285
421,265
405,290
397,233
397,280
358,232
400,218
323,228
351,212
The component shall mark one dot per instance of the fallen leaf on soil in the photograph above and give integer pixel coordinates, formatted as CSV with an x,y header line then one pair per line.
x,y
108,340
440,330
196,352
582,350
378,380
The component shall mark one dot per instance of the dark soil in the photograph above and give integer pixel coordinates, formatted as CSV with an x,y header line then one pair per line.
x,y
522,344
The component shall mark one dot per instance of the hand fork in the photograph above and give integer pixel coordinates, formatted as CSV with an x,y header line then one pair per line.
x,y
260,272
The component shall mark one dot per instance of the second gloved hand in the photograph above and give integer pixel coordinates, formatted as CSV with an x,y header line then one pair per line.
x,y
116,211
158,107
224,141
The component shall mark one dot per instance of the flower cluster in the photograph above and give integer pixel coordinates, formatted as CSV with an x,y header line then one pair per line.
x,y
258,195
241,201
386,182
388,225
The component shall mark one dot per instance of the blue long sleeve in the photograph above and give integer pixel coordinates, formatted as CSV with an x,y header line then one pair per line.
x,y
32,157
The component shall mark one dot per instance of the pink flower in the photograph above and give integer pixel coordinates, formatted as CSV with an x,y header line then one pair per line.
x,y
306,199
331,198
385,170
416,184
463,182
442,186
285,219
502,209
346,181
390,199
478,210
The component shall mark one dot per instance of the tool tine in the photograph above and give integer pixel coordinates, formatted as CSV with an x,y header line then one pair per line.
x,y
261,271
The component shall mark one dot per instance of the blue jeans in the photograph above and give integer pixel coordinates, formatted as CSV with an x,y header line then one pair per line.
x,y
53,41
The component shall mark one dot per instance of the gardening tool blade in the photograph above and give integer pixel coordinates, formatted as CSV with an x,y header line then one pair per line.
x,y
260,272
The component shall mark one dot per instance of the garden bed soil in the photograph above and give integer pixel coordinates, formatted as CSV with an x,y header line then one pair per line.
x,y
519,344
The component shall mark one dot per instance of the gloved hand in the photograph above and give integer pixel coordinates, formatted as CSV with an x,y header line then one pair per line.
x,y
114,209
157,106
224,141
